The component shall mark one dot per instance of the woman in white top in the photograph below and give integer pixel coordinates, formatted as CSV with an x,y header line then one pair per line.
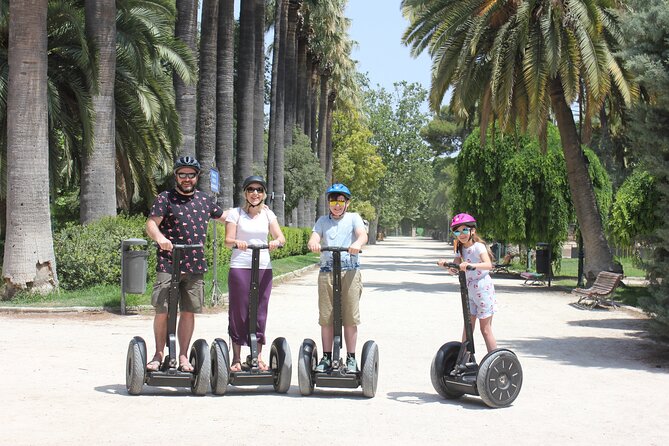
x,y
248,225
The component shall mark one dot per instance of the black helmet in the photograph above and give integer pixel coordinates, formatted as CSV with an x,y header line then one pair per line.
x,y
254,179
187,161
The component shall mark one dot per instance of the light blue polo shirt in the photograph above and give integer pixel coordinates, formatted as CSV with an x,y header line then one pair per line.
x,y
339,232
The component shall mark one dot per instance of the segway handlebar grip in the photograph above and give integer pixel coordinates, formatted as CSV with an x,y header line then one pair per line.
x,y
196,246
457,266
260,246
336,248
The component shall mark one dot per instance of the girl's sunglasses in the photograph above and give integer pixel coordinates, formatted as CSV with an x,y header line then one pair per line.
x,y
464,231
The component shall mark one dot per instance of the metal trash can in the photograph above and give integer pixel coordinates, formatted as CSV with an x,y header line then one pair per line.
x,y
543,261
134,264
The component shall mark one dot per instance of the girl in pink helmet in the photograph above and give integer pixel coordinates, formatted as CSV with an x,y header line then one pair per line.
x,y
473,251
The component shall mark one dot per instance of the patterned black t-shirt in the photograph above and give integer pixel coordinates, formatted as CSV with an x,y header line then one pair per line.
x,y
185,221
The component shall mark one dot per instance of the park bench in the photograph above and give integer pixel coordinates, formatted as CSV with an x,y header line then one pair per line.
x,y
533,278
503,267
604,285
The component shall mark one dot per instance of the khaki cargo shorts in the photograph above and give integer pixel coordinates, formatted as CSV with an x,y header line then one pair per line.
x,y
351,287
191,292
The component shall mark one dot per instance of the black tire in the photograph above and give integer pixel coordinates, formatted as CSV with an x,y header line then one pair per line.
x,y
442,365
281,365
370,368
201,362
220,367
500,378
135,366
305,365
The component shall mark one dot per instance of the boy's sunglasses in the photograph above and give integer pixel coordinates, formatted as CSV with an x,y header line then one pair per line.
x,y
464,231
337,202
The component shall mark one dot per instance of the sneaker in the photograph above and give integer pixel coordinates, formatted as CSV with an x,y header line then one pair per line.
x,y
324,365
351,365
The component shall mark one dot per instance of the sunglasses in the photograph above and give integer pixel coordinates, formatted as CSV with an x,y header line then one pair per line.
x,y
464,231
337,202
183,176
259,190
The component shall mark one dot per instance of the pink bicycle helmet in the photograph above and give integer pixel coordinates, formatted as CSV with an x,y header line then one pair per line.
x,y
463,219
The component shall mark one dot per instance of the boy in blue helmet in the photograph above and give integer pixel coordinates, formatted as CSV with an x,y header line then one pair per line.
x,y
339,228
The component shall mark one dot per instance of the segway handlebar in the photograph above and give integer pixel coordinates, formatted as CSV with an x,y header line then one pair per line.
x,y
259,246
196,246
336,248
457,266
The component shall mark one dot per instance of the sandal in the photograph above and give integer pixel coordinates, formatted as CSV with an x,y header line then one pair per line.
x,y
154,364
185,365
236,366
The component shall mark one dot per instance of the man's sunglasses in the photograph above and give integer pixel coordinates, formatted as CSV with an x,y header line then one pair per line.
x,y
464,231
183,176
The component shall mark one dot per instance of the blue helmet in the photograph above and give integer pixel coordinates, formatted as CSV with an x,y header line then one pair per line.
x,y
339,189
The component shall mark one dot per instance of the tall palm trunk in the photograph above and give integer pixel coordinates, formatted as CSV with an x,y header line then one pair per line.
x,y
259,88
225,102
29,260
313,104
301,101
291,71
598,253
322,132
276,64
328,137
185,95
245,88
279,148
206,114
98,172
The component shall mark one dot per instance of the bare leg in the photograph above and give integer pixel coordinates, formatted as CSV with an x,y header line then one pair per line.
x,y
184,334
488,336
351,337
236,358
160,335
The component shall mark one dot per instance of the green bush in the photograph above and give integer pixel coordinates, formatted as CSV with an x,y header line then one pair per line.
x,y
91,255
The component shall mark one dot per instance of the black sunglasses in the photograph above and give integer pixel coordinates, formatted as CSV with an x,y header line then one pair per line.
x,y
250,190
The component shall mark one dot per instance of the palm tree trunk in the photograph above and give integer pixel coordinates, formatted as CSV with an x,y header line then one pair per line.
x,y
273,123
328,137
225,102
259,90
313,107
245,88
98,173
206,114
301,104
322,132
291,72
29,260
597,251
185,95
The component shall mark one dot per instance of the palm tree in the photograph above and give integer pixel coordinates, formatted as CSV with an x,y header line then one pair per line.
x,y
98,170
185,94
206,89
225,102
29,260
259,88
244,90
518,60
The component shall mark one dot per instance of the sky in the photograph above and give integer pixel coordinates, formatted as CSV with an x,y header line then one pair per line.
x,y
377,26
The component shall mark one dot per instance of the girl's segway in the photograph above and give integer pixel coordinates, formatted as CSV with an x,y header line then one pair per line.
x,y
337,376
454,370
280,363
169,374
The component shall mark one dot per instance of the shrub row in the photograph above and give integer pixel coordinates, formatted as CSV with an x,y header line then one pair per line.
x,y
91,255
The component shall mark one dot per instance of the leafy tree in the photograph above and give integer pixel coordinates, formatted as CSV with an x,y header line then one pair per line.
x,y
646,28
632,216
524,62
304,178
445,133
395,121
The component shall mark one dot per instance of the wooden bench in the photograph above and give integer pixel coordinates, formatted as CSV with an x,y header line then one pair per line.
x,y
504,266
604,285
533,278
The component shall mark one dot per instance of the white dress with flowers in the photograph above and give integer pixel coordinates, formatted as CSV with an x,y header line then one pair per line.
x,y
482,300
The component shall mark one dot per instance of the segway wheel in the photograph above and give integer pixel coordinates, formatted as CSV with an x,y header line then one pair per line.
x,y
442,365
500,378
281,365
370,368
135,366
220,367
201,362
306,364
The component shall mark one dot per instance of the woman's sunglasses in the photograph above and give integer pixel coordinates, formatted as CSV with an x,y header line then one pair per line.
x,y
250,190
464,231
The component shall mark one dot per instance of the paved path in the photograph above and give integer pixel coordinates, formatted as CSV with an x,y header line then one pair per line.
x,y
590,377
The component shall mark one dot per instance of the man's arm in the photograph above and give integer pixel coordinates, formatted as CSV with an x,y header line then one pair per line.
x,y
153,230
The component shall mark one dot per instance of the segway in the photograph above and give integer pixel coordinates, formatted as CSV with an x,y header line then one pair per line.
x,y
337,376
280,363
169,374
454,370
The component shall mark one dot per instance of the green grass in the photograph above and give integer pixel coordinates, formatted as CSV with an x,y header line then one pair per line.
x,y
109,296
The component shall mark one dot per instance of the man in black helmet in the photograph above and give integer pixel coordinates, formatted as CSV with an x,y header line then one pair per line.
x,y
180,216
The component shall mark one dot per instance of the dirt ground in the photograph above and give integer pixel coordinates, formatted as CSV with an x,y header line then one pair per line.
x,y
590,376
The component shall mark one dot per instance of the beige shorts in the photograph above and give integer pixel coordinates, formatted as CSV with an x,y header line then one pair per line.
x,y
351,285
191,292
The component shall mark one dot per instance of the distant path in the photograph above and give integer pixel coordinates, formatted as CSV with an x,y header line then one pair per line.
x,y
591,377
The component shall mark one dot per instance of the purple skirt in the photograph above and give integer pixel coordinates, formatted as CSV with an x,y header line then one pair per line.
x,y
239,285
